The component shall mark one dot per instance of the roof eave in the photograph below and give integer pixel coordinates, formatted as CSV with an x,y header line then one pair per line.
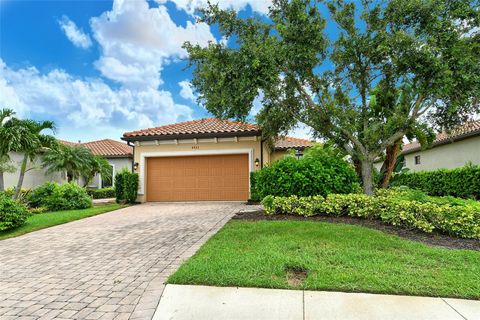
x,y
191,136
445,141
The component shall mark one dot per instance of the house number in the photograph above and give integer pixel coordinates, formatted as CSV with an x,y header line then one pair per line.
x,y
195,147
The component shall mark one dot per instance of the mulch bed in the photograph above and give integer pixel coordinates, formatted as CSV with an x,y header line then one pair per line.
x,y
434,239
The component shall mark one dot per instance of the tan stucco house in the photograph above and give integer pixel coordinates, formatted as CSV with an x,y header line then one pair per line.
x,y
448,151
201,160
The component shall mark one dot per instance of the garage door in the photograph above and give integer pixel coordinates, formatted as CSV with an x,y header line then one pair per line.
x,y
198,178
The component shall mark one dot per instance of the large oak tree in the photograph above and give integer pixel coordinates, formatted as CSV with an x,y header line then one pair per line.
x,y
385,70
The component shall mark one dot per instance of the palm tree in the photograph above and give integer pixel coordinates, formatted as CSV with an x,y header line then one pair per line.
x,y
32,143
100,165
9,140
70,159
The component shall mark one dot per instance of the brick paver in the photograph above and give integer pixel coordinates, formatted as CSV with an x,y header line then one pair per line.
x,y
111,266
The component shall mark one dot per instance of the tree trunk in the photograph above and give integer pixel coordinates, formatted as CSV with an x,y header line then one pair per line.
x,y
2,182
389,163
367,177
23,168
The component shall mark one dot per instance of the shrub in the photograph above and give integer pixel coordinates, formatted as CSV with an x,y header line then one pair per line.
x,y
12,214
391,206
462,182
131,187
119,186
102,193
38,195
68,196
317,173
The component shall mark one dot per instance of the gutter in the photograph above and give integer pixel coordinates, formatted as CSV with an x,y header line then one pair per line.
x,y
191,135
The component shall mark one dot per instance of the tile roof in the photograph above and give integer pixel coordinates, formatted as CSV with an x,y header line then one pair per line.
x,y
105,147
201,126
285,143
468,129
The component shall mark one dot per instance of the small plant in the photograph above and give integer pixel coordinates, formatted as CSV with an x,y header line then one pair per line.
x,y
131,187
119,186
12,213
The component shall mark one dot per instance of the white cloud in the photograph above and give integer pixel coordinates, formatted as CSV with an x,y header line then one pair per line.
x,y
186,91
189,6
75,35
86,107
137,40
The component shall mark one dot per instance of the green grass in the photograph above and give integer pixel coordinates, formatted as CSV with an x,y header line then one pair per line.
x,y
338,257
49,219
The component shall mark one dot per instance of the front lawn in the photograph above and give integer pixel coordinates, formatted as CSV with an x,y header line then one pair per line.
x,y
49,219
326,256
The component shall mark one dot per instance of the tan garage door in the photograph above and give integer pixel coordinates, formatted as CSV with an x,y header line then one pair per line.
x,y
197,178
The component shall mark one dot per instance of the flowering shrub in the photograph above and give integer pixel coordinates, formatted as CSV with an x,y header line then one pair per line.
x,y
456,220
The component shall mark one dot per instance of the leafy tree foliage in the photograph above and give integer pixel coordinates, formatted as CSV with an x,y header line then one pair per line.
x,y
386,70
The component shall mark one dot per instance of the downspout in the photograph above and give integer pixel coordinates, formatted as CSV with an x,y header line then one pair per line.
x,y
261,153
133,160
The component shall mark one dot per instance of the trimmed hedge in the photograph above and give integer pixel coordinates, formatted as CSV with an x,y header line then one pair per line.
x,y
461,220
101,193
317,173
126,187
12,213
462,182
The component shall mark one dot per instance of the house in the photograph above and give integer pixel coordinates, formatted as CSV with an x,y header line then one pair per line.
x,y
448,151
205,159
118,154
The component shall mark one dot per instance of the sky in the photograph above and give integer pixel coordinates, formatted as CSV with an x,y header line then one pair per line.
x,y
101,68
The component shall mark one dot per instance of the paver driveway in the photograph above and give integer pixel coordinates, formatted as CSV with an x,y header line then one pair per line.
x,y
110,266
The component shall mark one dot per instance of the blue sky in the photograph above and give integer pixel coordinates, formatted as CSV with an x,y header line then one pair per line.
x,y
100,68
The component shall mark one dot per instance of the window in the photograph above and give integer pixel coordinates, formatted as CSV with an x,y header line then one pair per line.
x,y
106,183
417,159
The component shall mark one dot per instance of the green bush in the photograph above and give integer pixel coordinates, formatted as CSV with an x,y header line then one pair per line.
x,y
12,214
131,187
319,172
102,193
392,207
55,197
68,196
462,182
119,186
38,195
126,187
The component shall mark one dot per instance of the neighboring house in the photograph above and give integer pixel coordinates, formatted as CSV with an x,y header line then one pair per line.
x,y
118,154
448,151
206,159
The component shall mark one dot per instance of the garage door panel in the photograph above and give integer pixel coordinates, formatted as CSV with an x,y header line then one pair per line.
x,y
197,178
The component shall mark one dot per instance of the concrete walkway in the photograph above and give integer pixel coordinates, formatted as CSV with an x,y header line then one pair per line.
x,y
181,302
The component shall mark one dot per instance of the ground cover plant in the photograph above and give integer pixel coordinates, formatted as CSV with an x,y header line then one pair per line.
x,y
329,256
403,208
48,219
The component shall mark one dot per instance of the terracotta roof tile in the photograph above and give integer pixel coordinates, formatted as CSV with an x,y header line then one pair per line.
x,y
467,129
284,143
201,126
105,147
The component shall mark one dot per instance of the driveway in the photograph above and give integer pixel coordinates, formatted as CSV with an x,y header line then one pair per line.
x,y
111,266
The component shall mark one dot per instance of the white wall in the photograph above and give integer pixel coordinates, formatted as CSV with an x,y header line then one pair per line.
x,y
447,156
33,177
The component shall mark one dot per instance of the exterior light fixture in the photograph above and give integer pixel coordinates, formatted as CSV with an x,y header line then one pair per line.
x,y
298,154
257,162
135,166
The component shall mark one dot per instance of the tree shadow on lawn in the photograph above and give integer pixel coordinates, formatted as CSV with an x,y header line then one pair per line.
x,y
434,239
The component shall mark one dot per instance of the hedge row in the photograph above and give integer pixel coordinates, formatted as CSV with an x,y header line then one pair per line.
x,y
460,221
462,182
101,193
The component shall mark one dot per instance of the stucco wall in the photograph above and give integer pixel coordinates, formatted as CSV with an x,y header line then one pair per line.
x,y
118,165
448,156
202,146
34,177
276,155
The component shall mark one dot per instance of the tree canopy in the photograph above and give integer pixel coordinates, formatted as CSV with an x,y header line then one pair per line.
x,y
384,70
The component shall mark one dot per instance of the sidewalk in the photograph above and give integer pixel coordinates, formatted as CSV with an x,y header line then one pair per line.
x,y
181,302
